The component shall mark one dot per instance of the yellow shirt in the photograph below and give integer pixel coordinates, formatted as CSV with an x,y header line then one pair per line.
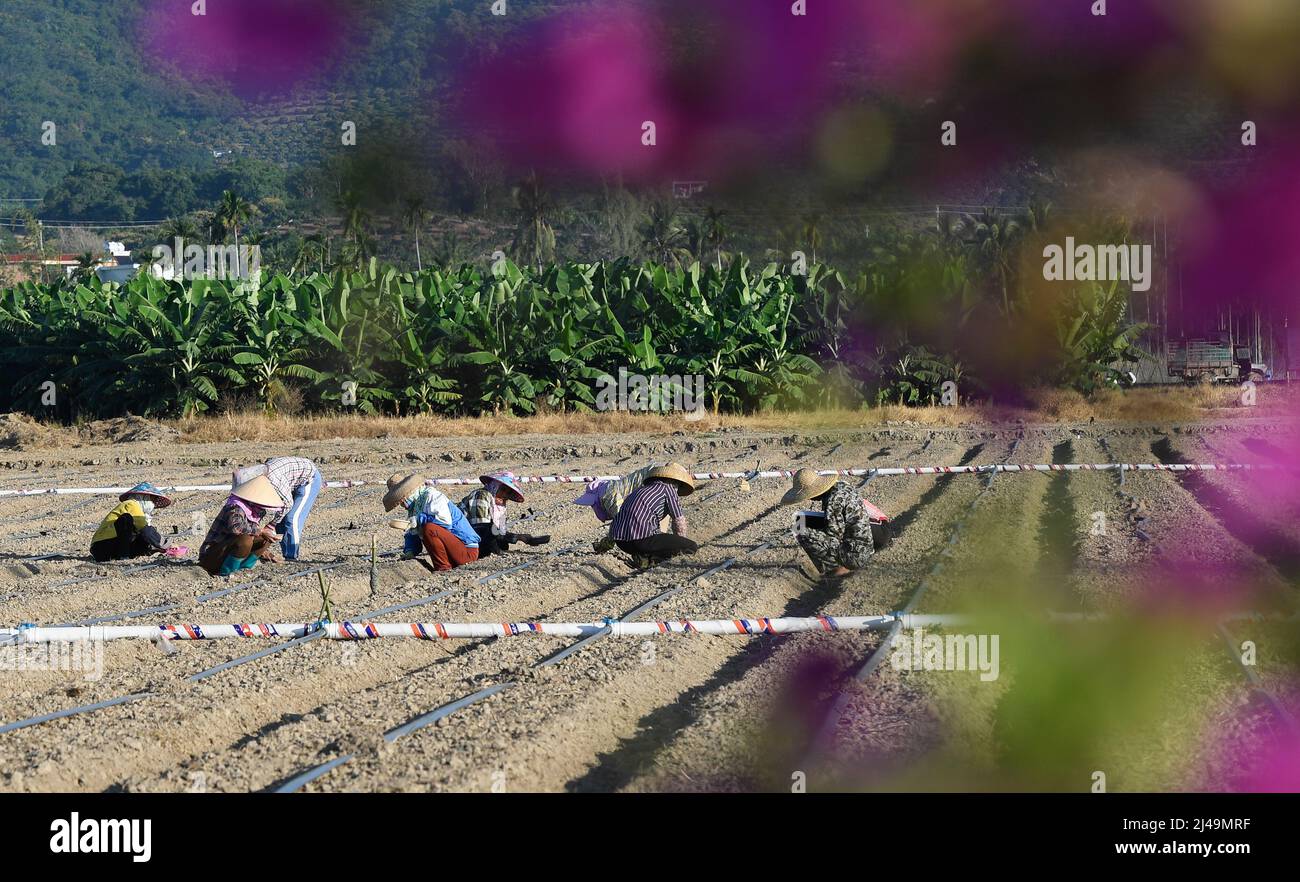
x,y
108,529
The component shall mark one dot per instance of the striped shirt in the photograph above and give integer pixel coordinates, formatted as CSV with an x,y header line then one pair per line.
x,y
614,493
288,473
644,508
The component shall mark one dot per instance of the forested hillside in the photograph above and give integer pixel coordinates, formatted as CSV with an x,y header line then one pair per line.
x,y
87,66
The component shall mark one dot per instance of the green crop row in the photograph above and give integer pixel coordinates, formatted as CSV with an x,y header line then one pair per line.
x,y
454,341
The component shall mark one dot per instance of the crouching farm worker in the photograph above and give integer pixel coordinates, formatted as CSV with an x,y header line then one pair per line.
x,y
839,537
235,541
433,522
636,527
607,497
485,509
298,482
128,531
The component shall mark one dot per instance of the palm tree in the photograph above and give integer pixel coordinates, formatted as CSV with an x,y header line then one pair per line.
x,y
715,232
355,218
662,235
232,211
947,230
1038,215
311,250
182,227
356,228
993,238
85,266
697,238
415,217
534,237
812,232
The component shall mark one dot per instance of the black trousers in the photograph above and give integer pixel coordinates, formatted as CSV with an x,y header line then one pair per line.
x,y
660,546
490,543
129,542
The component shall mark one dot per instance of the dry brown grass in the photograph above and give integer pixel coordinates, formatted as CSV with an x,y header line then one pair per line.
x,y
1164,405
1161,405
260,427
1146,405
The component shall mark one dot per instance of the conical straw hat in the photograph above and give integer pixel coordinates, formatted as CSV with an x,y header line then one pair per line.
x,y
677,473
399,487
258,491
808,484
506,480
144,488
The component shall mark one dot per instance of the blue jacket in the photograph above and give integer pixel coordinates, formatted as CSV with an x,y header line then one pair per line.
x,y
430,506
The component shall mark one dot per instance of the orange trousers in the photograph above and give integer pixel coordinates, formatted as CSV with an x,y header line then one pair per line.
x,y
444,548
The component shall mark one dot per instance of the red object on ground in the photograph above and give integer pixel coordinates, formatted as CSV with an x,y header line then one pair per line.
x,y
446,550
873,512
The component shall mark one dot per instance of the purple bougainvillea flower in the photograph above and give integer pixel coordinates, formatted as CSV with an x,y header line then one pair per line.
x,y
252,47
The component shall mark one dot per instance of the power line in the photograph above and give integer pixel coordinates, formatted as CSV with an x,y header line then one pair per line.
x,y
61,224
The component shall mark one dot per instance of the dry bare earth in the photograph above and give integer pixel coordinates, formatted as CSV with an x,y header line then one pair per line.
x,y
679,712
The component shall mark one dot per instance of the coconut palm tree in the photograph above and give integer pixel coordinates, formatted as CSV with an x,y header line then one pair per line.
x,y
662,236
696,237
1037,216
993,239
356,219
182,227
85,266
947,231
311,250
233,211
356,229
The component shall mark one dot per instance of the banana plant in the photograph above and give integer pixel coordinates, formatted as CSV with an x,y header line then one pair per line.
x,y
182,342
785,376
497,348
568,384
270,344
1096,342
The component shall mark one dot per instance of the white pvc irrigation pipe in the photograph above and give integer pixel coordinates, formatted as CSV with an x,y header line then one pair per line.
x,y
713,476
454,630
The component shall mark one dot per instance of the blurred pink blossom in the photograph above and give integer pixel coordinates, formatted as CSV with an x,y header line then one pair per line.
x,y
726,83
254,47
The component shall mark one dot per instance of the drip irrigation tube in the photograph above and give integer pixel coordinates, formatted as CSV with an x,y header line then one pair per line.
x,y
202,598
1139,521
826,732
125,571
58,715
210,672
312,774
1257,685
421,601
465,701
